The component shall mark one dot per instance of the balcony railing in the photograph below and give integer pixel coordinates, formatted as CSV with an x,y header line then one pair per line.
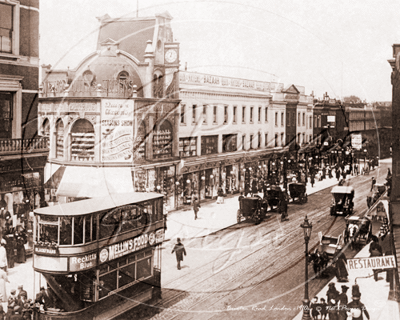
x,y
24,146
82,88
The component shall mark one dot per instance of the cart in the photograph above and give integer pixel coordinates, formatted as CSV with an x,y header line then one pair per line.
x,y
358,231
274,197
329,244
298,193
342,202
251,208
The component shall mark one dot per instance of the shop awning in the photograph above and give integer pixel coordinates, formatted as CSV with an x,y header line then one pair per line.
x,y
90,182
53,174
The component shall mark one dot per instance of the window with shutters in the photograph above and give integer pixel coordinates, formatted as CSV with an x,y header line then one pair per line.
x,y
6,114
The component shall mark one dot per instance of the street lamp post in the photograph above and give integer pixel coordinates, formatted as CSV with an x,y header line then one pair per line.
x,y
307,226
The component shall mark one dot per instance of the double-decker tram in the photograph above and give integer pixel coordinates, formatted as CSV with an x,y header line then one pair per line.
x,y
100,257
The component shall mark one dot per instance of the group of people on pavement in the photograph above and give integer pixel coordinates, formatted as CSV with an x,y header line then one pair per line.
x,y
337,305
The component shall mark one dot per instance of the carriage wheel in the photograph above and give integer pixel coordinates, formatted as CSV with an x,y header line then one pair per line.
x,y
239,216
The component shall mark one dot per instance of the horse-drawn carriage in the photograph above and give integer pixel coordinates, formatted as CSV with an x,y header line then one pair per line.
x,y
298,192
323,255
377,191
358,231
251,208
342,202
274,196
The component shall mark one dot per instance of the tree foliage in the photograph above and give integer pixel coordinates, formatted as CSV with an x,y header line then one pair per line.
x,y
352,99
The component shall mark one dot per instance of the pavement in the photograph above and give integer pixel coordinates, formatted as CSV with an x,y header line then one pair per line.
x,y
213,217
374,294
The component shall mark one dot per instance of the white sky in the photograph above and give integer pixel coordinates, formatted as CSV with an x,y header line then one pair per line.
x,y
335,46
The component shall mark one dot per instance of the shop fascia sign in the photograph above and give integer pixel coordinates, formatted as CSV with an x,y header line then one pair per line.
x,y
131,245
384,262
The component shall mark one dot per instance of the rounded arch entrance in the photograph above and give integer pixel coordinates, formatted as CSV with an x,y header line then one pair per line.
x,y
82,141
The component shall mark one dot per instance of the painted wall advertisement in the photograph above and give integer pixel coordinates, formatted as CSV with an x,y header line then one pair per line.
x,y
117,130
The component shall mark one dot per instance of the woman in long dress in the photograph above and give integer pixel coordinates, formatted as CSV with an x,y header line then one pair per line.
x,y
3,280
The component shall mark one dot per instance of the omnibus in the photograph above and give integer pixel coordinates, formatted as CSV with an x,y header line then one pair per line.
x,y
100,257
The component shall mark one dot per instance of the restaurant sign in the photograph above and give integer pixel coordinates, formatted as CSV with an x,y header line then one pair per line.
x,y
131,245
385,262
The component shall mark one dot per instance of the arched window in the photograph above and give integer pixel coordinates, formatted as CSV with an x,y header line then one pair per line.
x,y
162,140
59,139
82,141
123,76
46,131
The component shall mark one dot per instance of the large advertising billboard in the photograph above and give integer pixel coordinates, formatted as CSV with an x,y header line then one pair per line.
x,y
117,130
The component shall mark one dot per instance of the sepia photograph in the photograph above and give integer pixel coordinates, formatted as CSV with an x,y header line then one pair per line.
x,y
199,159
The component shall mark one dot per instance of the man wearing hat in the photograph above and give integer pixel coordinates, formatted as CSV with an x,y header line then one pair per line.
x,y
356,308
332,293
179,250
21,292
341,270
12,303
343,300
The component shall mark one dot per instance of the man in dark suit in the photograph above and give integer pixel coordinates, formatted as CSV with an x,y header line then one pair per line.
x,y
21,292
179,250
44,298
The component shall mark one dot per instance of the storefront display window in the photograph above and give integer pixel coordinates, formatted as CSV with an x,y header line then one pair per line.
x,y
162,140
209,145
188,147
139,180
139,146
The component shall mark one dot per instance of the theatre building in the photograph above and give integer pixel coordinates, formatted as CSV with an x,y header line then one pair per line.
x,y
112,121
22,153
226,134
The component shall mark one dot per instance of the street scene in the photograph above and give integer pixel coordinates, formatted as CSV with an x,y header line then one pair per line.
x,y
199,160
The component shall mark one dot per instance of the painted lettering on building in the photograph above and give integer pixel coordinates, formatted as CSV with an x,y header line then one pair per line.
x,y
82,263
385,262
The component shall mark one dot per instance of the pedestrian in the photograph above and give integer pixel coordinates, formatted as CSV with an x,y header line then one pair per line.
x,y
324,308
356,308
283,206
330,173
332,292
179,250
21,292
373,182
315,309
17,314
332,309
11,303
44,298
375,250
196,206
342,304
356,169
337,173
10,246
312,180
341,261
20,240
3,291
220,195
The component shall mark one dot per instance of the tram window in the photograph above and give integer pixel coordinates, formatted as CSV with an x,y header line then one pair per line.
x,y
126,275
108,283
148,253
103,269
109,223
78,230
144,268
94,227
128,221
113,265
48,233
66,231
149,209
87,228
131,258
122,262
140,255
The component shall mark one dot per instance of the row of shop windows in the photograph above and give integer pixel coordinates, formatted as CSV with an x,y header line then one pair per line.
x,y
69,230
234,116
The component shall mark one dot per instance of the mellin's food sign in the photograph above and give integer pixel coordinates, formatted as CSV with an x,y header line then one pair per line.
x,y
131,245
116,130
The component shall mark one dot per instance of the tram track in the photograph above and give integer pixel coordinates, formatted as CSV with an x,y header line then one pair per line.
x,y
198,297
